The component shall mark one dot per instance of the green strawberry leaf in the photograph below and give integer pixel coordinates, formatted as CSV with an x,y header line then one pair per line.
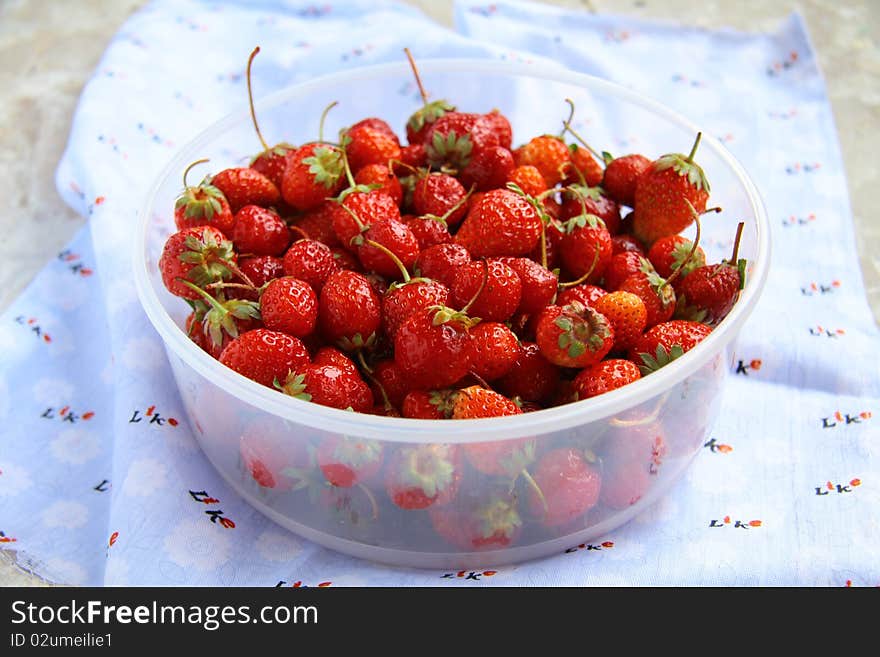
x,y
661,357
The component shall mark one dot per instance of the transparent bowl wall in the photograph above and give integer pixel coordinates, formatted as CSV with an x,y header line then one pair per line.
x,y
653,427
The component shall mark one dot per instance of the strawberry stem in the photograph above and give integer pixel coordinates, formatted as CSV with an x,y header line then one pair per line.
x,y
251,99
535,487
480,289
216,305
566,125
480,380
415,70
323,118
186,171
581,279
693,250
455,207
390,254
347,167
373,505
231,266
736,240
363,363
690,157
354,216
299,231
220,285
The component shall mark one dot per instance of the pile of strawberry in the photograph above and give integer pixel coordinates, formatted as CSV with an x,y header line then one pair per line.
x,y
451,277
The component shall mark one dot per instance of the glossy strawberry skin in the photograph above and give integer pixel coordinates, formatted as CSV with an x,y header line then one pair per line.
x,y
499,297
428,231
273,163
413,156
581,247
585,294
260,270
246,186
172,267
317,223
488,169
402,301
419,405
711,291
440,262
539,285
222,219
666,250
289,305
569,484
477,402
369,207
686,334
589,335
494,350
591,201
370,145
380,174
661,202
605,376
264,356
436,194
583,169
659,302
348,307
260,232
499,124
310,261
528,178
620,267
501,223
621,175
332,356
628,316
389,376
473,132
335,387
300,187
532,377
432,356
395,236
626,242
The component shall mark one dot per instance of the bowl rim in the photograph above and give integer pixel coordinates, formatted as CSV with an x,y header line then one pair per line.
x,y
378,427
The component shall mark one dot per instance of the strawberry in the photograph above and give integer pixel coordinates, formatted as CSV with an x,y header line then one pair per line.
x,y
627,315
345,259
501,127
332,356
583,168
200,254
421,121
667,194
532,378
440,262
548,254
501,223
653,290
437,194
314,173
622,266
381,177
529,179
375,123
538,284
477,402
212,331
427,405
245,186
259,271
586,248
349,310
403,300
584,294
365,145
709,292
260,231
263,355
419,476
621,175
501,458
202,205
454,138
489,522
396,237
348,461
432,347
548,154
573,335
488,168
569,485
494,350
665,342
626,242
310,261
329,385
492,288
317,223
604,377
628,462
289,305
387,378
671,252
358,211
272,458
579,200
412,157
428,230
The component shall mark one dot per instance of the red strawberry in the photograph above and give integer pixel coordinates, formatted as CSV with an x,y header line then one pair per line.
x,y
329,385
272,458
583,169
622,266
432,347
381,175
310,261
396,237
627,315
553,236
538,284
626,242
441,261
332,356
404,300
493,287
368,145
604,377
412,157
579,200
667,195
655,293
260,231
259,270
419,476
348,461
437,194
501,223
494,350
488,168
375,123
317,223
665,342
349,310
621,174
345,259
427,405
214,327
202,205
314,173
245,186
532,378
421,121
264,356
388,378
501,458
570,487
573,335
501,127
586,248
454,138
289,305
548,154
428,230
358,211
584,294
477,402
528,179
200,254
671,252
485,523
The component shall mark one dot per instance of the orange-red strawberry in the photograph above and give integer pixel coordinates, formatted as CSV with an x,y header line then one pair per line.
x,y
539,285
428,230
289,305
494,350
652,289
438,194
621,174
349,310
346,461
382,178
586,248
579,200
501,223
528,178
375,123
329,385
358,211
199,254
627,315
667,194
573,335
314,174
245,186
665,342
488,168
532,377
264,356
584,169
604,377
260,231
585,294
439,262
432,347
569,487
492,288
423,475
671,252
622,266
202,205
365,145
548,154
310,261
501,127
476,402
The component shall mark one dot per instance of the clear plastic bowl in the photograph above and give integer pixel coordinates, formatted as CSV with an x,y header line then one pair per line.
x,y
647,432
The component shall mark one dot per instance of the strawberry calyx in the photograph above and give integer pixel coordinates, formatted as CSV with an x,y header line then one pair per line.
x,y
660,358
498,518
427,468
582,221
582,329
211,259
451,152
357,342
294,385
685,311
659,285
428,113
684,165
357,452
519,458
445,314
326,165
221,313
202,200
443,401
682,259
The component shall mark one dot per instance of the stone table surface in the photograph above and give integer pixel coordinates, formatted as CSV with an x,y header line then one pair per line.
x,y
49,49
